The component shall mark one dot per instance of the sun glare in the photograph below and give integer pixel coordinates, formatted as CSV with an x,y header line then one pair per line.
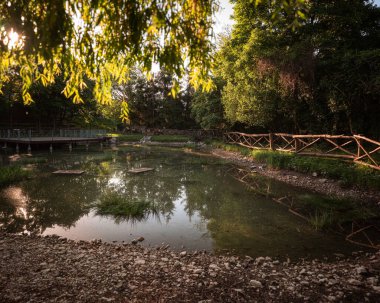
x,y
12,40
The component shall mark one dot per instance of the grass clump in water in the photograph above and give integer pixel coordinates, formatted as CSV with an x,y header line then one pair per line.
x,y
321,220
117,205
12,174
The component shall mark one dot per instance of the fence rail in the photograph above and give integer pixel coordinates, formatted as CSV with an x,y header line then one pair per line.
x,y
357,148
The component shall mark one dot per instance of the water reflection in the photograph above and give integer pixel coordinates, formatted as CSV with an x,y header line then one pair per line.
x,y
199,205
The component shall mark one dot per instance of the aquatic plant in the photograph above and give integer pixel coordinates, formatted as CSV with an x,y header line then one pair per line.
x,y
321,219
118,205
11,174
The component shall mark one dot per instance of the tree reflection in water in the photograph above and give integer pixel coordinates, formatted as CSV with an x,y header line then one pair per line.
x,y
200,188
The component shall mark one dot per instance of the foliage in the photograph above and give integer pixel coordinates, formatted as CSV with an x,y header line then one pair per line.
x,y
207,109
150,103
321,76
51,107
11,174
100,40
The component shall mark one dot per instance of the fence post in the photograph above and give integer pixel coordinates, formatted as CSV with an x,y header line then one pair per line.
x,y
359,145
271,142
297,145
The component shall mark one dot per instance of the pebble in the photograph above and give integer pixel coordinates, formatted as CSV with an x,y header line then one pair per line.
x,y
354,282
214,267
256,284
376,288
361,270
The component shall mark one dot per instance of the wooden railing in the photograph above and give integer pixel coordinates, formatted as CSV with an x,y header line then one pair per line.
x,y
357,148
66,132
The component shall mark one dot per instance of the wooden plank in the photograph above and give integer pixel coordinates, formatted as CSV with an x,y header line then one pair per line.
x,y
68,172
140,170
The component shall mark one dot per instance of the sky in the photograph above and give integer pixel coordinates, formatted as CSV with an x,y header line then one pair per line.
x,y
223,17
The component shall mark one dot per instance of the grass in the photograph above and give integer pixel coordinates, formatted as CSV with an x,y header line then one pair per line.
x,y
348,172
321,220
170,138
12,174
129,138
116,204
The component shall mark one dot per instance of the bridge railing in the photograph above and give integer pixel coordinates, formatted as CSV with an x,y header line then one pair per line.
x,y
62,132
357,148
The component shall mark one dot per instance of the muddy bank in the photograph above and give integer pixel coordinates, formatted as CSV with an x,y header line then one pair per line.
x,y
51,269
315,183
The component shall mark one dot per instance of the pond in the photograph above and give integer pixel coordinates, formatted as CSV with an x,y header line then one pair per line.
x,y
199,204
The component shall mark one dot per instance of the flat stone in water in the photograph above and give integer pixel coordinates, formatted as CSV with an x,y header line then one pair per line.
x,y
140,170
68,172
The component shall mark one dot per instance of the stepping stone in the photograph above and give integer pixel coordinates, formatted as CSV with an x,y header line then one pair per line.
x,y
140,170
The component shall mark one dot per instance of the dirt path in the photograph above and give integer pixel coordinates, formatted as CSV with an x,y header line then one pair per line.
x,y
50,269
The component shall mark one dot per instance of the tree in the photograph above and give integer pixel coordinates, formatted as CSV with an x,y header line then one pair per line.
x,y
207,109
101,40
320,76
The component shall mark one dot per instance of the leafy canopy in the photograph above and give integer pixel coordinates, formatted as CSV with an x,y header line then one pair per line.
x,y
102,39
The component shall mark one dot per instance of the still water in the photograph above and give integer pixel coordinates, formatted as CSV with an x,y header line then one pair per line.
x,y
201,205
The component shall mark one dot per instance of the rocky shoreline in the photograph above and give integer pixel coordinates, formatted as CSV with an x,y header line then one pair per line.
x,y
312,182
53,269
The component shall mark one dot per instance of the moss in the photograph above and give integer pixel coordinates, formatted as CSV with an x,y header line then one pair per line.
x,y
12,174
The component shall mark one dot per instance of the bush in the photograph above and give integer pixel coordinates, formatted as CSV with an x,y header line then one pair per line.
x,y
130,138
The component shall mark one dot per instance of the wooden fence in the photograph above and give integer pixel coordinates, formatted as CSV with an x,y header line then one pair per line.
x,y
356,148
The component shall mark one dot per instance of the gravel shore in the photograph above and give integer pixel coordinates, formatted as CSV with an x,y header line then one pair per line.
x,y
53,269
312,182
